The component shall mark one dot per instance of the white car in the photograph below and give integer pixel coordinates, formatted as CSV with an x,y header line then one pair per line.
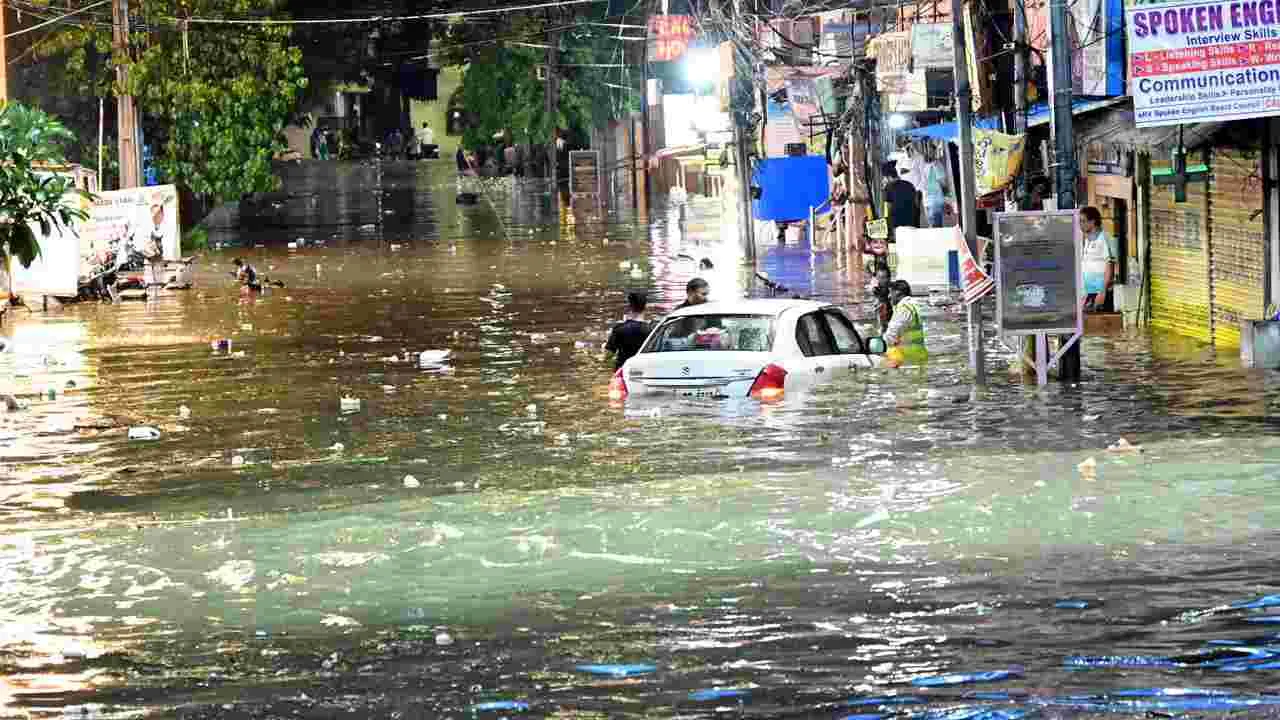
x,y
744,348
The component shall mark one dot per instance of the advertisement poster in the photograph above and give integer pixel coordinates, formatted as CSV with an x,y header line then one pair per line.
x,y
997,159
122,222
900,89
932,45
1038,272
781,130
1097,57
1203,61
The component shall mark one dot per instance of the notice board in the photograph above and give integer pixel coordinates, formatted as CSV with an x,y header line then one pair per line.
x,y
1038,279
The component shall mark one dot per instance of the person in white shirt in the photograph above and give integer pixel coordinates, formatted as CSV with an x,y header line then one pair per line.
x,y
1101,252
426,138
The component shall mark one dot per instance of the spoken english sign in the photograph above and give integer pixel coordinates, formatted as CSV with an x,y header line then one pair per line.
x,y
1202,61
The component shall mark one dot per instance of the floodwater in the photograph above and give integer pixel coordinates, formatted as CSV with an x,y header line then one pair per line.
x,y
848,554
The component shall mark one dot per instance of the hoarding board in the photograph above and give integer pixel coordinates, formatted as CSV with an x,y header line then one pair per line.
x,y
669,37
1203,61
128,220
922,256
54,271
1038,276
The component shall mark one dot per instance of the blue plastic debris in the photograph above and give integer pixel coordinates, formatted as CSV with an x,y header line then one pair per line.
x,y
717,694
965,678
864,716
1264,619
1265,601
618,671
1071,604
1175,704
1248,666
1102,661
508,705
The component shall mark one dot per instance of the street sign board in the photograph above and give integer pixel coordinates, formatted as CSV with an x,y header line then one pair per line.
x,y
1038,273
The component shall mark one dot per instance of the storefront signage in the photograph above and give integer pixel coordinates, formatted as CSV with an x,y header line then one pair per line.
x,y
1204,61
1038,272
932,46
669,37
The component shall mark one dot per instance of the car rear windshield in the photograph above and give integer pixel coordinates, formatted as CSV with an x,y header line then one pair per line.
x,y
743,333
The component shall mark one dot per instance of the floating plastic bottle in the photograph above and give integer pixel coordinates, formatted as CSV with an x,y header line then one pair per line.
x,y
144,432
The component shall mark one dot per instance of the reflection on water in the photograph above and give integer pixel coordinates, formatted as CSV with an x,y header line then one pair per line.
x,y
809,559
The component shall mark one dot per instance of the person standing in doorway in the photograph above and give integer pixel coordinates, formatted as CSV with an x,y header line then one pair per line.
x,y
1099,258
627,336
900,196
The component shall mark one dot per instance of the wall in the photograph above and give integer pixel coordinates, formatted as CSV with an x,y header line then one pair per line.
x,y
436,112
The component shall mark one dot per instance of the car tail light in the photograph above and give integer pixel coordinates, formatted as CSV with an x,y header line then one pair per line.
x,y
617,387
768,384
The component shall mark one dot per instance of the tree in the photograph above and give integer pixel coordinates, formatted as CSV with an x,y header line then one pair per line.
x,y
500,86
30,139
215,98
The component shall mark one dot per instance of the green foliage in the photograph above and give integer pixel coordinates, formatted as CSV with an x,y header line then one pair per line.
x,y
215,98
501,90
30,139
196,239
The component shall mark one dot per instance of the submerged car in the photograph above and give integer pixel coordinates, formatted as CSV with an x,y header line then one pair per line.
x,y
744,348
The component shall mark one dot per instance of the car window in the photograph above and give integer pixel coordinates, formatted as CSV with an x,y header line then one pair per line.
x,y
811,336
743,333
847,340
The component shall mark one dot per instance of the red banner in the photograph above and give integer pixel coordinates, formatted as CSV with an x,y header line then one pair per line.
x,y
973,278
669,37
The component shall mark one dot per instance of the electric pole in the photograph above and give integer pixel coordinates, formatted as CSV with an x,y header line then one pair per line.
x,y
552,90
968,184
1019,86
130,161
740,105
4,55
1064,156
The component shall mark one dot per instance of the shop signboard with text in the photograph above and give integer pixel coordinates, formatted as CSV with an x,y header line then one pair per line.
x,y
669,37
1203,61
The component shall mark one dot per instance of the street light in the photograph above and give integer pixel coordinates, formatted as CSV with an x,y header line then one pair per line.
x,y
898,121
702,66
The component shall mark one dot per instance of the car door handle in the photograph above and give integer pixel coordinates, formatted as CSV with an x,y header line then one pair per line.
x,y
819,369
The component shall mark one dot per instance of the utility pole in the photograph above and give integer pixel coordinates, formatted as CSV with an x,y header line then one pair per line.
x,y
1019,86
4,55
968,184
130,161
552,91
1064,160
741,93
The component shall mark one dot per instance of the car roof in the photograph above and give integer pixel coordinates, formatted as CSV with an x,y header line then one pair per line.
x,y
750,306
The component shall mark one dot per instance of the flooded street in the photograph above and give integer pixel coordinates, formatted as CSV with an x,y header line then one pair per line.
x,y
846,553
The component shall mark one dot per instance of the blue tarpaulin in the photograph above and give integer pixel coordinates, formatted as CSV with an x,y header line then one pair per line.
x,y
789,186
1037,114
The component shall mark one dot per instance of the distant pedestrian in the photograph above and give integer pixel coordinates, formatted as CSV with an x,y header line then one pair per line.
x,y
627,336
246,276
426,141
1100,255
900,196
696,292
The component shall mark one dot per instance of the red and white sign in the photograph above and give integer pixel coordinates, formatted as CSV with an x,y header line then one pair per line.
x,y
669,37
1198,61
975,281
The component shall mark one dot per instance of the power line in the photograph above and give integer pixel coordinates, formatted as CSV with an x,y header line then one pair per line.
x,y
86,8
380,18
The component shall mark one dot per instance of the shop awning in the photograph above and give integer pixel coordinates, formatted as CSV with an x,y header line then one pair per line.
x,y
1039,114
1115,127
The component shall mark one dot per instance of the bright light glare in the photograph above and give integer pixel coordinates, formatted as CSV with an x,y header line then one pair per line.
x,y
702,66
897,121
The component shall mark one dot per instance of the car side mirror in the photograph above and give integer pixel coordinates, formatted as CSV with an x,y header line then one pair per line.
x,y
876,346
